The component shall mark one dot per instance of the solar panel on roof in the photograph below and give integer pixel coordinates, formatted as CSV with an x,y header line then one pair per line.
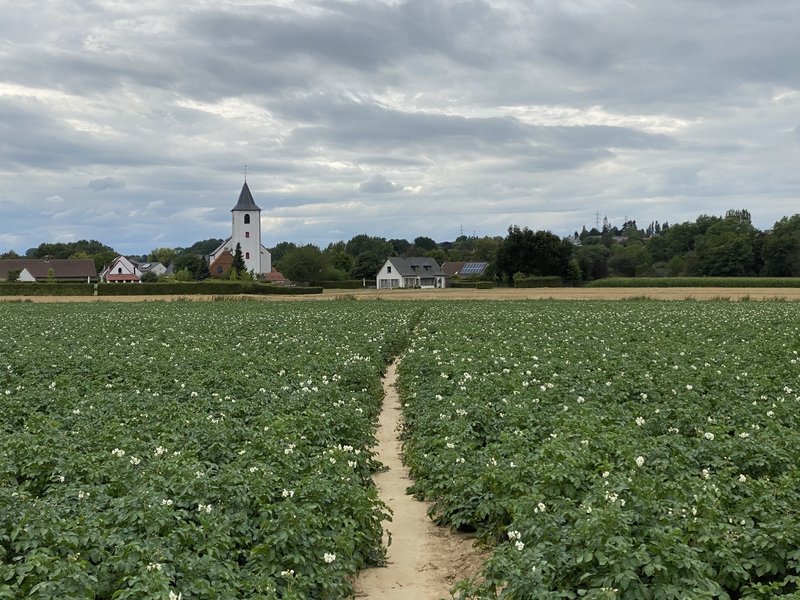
x,y
473,268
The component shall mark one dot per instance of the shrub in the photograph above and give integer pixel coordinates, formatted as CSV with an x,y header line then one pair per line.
x,y
764,282
523,280
195,288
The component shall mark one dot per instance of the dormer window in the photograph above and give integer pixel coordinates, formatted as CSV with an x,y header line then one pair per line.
x,y
247,219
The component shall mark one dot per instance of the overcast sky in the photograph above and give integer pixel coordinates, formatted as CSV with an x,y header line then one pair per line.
x,y
131,122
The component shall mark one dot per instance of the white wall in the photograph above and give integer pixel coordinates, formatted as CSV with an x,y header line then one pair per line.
x,y
266,260
388,277
250,245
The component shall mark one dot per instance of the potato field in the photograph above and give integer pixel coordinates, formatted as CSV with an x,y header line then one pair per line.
x,y
199,450
642,450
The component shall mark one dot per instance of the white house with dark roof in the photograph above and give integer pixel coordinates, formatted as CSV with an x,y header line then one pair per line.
x,y
413,272
125,270
245,231
121,270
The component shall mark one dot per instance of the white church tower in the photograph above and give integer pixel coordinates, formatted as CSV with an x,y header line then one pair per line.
x,y
246,231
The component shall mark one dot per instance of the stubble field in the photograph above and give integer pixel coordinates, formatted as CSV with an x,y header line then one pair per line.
x,y
567,293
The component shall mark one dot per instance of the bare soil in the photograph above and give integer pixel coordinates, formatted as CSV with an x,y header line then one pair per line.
x,y
423,561
688,293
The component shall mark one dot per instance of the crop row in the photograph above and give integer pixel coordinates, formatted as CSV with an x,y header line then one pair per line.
x,y
194,450
642,450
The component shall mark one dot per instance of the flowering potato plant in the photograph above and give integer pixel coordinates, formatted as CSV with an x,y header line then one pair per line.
x,y
640,450
190,450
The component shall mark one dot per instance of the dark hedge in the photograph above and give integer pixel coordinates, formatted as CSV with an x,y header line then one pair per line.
x,y
178,288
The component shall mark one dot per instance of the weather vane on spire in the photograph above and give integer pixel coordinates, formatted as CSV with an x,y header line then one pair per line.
x,y
245,173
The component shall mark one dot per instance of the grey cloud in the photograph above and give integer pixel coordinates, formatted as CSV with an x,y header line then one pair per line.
x,y
362,36
106,183
378,184
361,126
515,105
348,122
31,136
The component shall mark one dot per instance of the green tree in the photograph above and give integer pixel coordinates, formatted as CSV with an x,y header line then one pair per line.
x,y
485,248
100,253
532,253
399,246
238,266
305,264
203,247
781,249
367,265
281,249
630,260
192,264
13,275
164,255
364,243
149,277
726,247
593,261
343,262
340,259
424,243
203,272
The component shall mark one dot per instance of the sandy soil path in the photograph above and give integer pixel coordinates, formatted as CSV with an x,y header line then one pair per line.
x,y
424,560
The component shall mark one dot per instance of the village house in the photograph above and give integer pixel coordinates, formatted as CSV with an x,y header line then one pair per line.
x,y
121,270
52,269
413,272
125,270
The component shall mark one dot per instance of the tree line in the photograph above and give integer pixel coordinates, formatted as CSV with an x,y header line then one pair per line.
x,y
722,246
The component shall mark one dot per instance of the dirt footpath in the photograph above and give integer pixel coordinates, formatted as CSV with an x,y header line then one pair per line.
x,y
423,561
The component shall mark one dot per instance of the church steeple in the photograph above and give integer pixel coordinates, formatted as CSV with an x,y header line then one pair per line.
x,y
246,201
246,233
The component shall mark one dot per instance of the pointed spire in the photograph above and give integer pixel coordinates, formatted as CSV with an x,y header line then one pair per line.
x,y
246,201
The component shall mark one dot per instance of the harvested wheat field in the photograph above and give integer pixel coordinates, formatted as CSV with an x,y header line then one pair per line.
x,y
565,293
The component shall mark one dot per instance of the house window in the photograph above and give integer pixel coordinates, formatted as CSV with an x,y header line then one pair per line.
x,y
388,269
119,270
219,269
247,255
247,219
247,234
